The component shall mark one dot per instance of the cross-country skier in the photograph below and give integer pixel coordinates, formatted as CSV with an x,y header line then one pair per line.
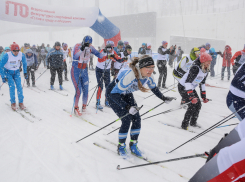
x,y
9,70
235,98
42,54
162,61
103,70
195,76
65,55
79,71
32,63
126,56
142,49
121,99
226,161
55,64
239,58
118,50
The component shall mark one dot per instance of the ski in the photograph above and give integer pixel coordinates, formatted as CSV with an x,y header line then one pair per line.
x,y
177,127
59,92
28,112
214,86
147,160
33,89
39,89
23,116
80,118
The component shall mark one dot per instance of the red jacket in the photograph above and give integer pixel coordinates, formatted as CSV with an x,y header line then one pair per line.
x,y
227,57
237,56
108,57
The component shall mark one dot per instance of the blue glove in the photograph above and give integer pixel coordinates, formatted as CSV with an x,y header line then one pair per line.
x,y
25,75
5,80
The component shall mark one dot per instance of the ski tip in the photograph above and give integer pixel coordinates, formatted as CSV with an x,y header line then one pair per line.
x,y
118,167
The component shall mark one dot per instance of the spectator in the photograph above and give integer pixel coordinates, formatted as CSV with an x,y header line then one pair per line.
x,y
239,56
142,49
180,52
226,61
148,49
213,62
171,58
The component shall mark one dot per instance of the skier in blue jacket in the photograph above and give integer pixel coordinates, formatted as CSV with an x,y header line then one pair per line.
x,y
121,99
9,70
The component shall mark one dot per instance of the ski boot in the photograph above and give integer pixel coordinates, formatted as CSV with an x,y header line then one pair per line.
x,y
33,85
98,106
164,87
107,103
51,87
61,88
22,107
84,108
66,79
77,111
134,149
28,84
13,106
222,78
122,151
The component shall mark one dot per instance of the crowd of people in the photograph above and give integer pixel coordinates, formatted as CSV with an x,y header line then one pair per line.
x,y
130,74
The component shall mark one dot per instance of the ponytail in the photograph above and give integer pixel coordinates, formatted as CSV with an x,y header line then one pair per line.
x,y
136,72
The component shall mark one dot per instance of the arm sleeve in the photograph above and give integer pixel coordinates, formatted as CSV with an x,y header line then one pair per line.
x,y
24,63
161,52
157,92
118,59
192,75
235,56
202,85
96,53
2,63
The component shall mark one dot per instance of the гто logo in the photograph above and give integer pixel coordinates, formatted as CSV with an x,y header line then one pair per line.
x,y
22,7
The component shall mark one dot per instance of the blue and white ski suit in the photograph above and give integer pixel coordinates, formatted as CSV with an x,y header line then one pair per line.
x,y
120,97
9,68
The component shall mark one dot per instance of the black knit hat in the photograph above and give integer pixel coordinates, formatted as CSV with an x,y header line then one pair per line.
x,y
147,61
57,44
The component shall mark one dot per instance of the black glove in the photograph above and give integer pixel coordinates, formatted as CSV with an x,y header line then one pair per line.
x,y
112,56
82,48
86,44
25,75
167,100
48,67
20,69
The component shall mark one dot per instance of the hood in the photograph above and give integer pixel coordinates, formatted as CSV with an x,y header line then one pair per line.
x,y
227,48
192,53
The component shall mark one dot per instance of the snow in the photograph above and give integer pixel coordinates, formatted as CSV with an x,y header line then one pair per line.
x,y
46,150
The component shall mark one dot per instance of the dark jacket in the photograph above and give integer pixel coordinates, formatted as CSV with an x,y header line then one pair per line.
x,y
141,50
55,58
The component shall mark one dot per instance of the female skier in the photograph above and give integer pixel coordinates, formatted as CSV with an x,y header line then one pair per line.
x,y
121,99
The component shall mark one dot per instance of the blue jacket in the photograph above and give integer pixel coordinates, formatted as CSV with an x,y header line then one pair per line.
x,y
5,60
55,58
213,53
35,59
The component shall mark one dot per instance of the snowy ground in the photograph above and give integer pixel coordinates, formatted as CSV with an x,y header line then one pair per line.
x,y
46,150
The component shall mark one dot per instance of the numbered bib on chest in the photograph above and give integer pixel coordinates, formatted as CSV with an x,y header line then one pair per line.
x,y
84,58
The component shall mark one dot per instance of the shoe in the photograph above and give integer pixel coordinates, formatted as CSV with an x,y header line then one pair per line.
x,y
107,104
33,85
66,79
134,149
98,106
195,125
184,127
51,87
84,108
121,150
28,84
222,78
13,106
228,78
22,107
77,111
61,88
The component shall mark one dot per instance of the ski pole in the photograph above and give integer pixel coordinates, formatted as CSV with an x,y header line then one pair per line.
x,y
41,74
140,115
23,83
162,93
107,125
1,86
93,88
92,95
169,160
227,125
209,129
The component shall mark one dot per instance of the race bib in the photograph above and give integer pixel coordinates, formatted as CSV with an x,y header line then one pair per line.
x,y
13,64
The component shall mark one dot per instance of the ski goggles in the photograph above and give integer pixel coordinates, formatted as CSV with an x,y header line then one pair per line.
x,y
197,52
129,49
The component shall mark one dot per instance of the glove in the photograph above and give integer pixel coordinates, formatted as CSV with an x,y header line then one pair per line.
x,y
48,67
86,44
154,72
25,75
205,100
20,69
82,48
5,80
112,56
167,100
133,110
194,100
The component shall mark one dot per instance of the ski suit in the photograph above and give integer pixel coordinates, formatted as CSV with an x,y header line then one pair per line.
x,y
9,68
32,64
79,71
161,65
235,98
228,164
103,70
120,97
187,84
55,62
